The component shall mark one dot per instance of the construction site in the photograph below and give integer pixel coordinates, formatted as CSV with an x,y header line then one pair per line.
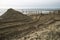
x,y
14,25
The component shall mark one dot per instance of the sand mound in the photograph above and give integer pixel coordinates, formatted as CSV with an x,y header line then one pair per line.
x,y
12,15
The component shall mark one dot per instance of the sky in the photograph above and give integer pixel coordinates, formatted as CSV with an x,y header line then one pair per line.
x,y
22,4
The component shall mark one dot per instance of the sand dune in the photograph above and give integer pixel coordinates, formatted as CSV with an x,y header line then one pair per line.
x,y
16,26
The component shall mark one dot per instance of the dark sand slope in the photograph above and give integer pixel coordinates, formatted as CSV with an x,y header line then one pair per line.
x,y
12,17
12,21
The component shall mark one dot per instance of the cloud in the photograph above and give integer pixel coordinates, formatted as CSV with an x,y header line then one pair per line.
x,y
29,3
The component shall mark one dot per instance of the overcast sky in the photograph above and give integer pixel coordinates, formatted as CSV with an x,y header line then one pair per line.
x,y
29,3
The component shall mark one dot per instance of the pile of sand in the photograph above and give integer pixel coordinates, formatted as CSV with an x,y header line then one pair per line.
x,y
13,15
